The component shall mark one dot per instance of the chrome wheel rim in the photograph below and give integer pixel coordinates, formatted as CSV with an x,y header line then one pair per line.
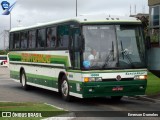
x,y
65,88
23,80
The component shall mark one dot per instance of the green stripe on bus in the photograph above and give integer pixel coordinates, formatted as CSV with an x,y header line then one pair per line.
x,y
105,71
46,81
55,59
14,72
42,76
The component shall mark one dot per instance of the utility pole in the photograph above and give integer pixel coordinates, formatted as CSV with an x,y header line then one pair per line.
x,y
76,8
10,22
6,39
5,36
135,9
130,9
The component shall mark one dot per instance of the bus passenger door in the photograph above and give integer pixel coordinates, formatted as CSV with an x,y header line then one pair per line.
x,y
75,48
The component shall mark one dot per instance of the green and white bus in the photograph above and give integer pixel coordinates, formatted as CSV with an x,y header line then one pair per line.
x,y
59,56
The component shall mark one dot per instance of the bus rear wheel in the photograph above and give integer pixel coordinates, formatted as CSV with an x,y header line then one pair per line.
x,y
65,89
23,80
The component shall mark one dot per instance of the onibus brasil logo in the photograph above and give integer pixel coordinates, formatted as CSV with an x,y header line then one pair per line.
x,y
7,7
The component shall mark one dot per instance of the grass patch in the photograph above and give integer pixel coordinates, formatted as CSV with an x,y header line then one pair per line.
x,y
153,85
29,111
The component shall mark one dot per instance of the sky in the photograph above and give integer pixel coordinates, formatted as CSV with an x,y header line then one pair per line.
x,y
30,12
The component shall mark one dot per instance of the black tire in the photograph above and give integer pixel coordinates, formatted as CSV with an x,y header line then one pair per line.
x,y
2,63
116,98
65,89
24,80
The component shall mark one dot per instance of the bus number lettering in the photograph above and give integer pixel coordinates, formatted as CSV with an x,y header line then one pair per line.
x,y
94,75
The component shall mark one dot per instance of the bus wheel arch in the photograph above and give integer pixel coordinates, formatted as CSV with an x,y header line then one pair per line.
x,y
61,74
63,84
23,79
20,73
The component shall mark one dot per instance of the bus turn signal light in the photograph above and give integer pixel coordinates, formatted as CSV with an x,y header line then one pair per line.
x,y
86,79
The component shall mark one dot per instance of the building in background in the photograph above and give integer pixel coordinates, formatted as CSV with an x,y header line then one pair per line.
x,y
154,24
154,32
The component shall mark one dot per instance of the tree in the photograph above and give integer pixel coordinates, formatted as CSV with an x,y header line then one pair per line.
x,y
145,23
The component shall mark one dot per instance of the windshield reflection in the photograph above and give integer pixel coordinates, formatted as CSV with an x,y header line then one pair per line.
x,y
130,46
112,47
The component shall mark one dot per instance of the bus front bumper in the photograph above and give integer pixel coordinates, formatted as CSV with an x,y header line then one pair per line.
x,y
117,88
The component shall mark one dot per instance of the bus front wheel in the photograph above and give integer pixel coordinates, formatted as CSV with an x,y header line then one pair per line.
x,y
23,80
65,89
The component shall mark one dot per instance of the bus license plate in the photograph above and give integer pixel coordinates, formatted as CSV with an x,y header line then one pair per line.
x,y
117,88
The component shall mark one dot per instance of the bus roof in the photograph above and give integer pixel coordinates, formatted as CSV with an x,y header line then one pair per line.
x,y
85,19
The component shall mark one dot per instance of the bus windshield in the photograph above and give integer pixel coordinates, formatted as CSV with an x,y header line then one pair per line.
x,y
113,47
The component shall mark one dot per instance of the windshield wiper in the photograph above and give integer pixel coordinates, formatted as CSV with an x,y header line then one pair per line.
x,y
122,50
111,53
125,53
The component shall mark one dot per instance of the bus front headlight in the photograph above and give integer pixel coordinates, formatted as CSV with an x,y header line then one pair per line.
x,y
92,79
140,77
98,79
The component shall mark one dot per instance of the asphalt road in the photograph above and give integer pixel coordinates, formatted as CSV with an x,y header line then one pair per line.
x,y
12,91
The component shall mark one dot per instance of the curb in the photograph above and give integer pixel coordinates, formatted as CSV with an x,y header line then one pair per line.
x,y
145,98
55,106
68,116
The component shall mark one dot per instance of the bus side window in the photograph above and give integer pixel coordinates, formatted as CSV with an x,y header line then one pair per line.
x,y
75,36
51,37
63,36
16,40
77,39
23,38
41,40
32,39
